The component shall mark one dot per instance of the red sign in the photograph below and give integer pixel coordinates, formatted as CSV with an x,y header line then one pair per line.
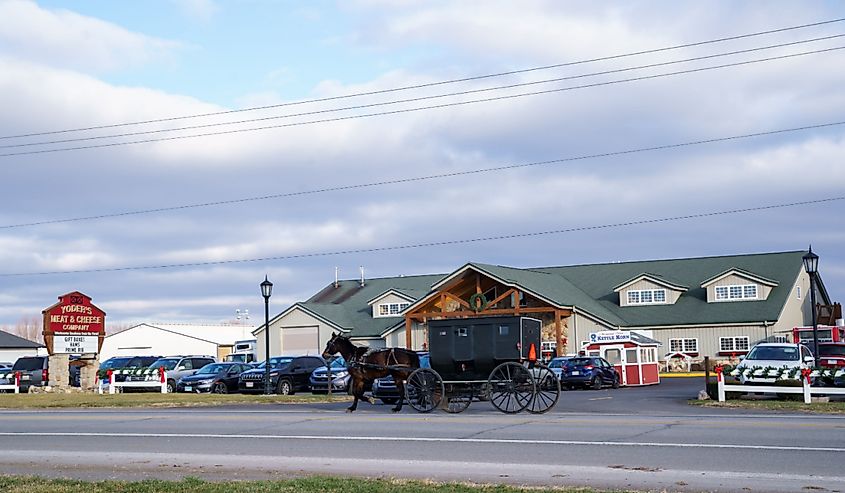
x,y
73,315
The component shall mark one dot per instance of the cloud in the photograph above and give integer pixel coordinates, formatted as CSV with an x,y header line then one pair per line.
x,y
202,10
70,40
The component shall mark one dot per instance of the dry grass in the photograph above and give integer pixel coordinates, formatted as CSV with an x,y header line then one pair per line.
x,y
151,399
317,484
837,407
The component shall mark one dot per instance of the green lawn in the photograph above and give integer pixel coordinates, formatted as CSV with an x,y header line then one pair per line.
x,y
303,485
153,399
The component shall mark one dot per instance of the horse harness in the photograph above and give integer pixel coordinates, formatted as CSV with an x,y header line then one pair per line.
x,y
361,354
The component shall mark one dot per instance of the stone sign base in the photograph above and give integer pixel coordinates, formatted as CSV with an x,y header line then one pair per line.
x,y
59,372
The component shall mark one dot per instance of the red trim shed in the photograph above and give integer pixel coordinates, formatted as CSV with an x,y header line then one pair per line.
x,y
633,355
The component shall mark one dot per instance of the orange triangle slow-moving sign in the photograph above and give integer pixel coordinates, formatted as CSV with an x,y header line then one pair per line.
x,y
532,353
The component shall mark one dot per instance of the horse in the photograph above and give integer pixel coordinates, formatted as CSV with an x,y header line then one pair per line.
x,y
366,365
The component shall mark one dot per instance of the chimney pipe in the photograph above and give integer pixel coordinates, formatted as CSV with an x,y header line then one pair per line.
x,y
336,270
362,276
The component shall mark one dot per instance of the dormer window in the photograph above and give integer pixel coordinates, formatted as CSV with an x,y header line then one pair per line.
x,y
736,292
391,309
646,296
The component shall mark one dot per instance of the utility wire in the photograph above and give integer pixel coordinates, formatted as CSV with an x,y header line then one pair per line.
x,y
432,84
421,108
418,99
637,222
423,178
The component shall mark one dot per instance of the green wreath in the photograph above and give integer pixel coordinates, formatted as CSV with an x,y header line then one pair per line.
x,y
473,302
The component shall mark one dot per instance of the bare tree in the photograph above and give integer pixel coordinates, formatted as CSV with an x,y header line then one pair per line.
x,y
28,327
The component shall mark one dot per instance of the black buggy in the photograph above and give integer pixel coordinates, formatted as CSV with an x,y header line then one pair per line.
x,y
483,358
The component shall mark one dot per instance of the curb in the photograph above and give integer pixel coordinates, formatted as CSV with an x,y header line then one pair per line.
x,y
682,374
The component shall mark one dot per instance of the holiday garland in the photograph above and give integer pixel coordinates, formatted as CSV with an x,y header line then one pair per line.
x,y
780,373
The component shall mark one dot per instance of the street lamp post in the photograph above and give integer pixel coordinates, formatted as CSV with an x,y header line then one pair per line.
x,y
811,266
266,291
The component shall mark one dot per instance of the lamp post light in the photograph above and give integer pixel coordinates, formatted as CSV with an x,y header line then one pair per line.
x,y
266,291
811,266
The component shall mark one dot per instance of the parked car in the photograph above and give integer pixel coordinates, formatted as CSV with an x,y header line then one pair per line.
x,y
218,378
384,389
176,367
588,372
34,371
6,365
123,362
774,355
832,355
288,374
319,381
556,364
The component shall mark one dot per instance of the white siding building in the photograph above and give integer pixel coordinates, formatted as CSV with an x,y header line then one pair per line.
x,y
153,339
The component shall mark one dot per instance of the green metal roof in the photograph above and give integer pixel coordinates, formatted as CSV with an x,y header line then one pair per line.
x,y
587,288
347,304
692,307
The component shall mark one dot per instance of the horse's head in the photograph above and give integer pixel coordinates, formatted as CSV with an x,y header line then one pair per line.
x,y
334,346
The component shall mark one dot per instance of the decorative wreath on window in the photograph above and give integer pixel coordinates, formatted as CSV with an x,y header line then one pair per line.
x,y
478,302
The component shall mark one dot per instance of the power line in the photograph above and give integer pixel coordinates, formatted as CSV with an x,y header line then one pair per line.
x,y
419,98
638,222
421,108
426,177
431,84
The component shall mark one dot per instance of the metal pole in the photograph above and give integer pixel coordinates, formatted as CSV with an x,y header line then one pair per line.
x,y
267,345
815,322
707,375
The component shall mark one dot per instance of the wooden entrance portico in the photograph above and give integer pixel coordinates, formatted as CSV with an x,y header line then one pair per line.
x,y
452,300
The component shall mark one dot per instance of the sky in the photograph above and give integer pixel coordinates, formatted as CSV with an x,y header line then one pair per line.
x,y
66,66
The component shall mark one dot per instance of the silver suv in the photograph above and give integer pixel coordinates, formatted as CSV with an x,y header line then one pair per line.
x,y
176,367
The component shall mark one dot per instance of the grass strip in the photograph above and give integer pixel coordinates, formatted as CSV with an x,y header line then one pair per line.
x,y
153,399
314,484
837,407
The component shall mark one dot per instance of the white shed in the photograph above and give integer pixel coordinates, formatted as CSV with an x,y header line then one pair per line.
x,y
154,339
13,347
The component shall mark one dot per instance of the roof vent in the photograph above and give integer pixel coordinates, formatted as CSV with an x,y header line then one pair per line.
x,y
362,276
336,272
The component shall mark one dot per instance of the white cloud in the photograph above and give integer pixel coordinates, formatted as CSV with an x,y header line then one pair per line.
x,y
67,39
202,10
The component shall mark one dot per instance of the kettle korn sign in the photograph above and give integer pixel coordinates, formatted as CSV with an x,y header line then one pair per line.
x,y
74,325
610,336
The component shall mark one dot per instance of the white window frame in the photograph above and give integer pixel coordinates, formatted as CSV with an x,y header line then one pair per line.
x,y
638,296
686,344
723,348
736,292
391,309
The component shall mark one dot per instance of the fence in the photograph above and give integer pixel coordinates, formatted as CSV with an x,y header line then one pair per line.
x,y
15,377
806,375
148,382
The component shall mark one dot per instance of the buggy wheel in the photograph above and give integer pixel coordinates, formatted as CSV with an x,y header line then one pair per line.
x,y
511,387
457,401
424,390
547,392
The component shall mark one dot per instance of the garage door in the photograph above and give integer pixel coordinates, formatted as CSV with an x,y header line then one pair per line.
x,y
300,340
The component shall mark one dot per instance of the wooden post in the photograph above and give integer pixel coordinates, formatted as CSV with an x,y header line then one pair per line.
x,y
408,325
558,345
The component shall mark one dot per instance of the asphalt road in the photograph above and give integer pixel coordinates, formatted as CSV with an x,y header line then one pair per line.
x,y
645,438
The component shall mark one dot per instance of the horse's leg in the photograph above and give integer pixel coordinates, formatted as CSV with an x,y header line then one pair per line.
x,y
357,392
398,378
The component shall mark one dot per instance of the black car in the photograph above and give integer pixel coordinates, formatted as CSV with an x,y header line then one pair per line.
x,y
588,372
384,389
219,378
288,374
34,371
